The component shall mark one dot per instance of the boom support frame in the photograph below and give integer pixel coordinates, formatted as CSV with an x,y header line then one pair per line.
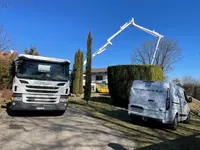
x,y
131,22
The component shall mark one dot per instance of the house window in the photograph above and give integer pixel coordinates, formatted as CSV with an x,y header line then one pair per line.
x,y
98,78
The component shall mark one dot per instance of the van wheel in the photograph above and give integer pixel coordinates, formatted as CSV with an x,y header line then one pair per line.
x,y
188,118
135,119
175,123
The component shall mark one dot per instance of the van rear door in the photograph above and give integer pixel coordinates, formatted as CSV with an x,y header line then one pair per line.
x,y
149,96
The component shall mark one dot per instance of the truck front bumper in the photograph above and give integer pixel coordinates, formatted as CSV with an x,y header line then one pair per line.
x,y
19,105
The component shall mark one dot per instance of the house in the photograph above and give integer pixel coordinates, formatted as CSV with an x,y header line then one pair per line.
x,y
99,75
6,54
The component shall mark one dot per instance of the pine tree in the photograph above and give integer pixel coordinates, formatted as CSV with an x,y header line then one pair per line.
x,y
32,51
87,92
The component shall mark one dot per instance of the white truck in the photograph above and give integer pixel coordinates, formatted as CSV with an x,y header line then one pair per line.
x,y
160,101
40,83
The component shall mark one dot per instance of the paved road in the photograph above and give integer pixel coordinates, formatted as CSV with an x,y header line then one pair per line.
x,y
73,130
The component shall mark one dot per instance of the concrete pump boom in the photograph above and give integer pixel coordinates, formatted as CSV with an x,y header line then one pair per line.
x,y
131,22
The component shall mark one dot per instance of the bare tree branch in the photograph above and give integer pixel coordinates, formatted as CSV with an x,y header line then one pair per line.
x,y
3,4
167,55
188,80
5,42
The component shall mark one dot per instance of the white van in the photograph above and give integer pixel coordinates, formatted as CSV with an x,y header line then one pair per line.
x,y
161,101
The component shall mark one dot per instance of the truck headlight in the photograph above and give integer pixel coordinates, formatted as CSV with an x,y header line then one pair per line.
x,y
17,97
63,98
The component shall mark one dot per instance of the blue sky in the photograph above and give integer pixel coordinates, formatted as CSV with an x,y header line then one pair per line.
x,y
59,28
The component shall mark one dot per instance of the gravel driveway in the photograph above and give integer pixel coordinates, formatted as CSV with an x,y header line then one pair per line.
x,y
74,130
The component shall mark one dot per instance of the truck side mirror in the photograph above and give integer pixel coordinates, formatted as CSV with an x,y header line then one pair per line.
x,y
12,69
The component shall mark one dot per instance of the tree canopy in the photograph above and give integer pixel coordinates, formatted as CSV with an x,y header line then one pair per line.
x,y
167,55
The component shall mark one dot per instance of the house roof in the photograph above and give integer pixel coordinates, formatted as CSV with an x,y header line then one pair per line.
x,y
98,70
5,54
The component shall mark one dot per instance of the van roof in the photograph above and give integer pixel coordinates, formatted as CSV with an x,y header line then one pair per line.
x,y
164,82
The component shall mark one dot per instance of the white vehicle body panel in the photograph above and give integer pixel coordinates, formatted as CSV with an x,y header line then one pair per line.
x,y
32,92
148,99
42,91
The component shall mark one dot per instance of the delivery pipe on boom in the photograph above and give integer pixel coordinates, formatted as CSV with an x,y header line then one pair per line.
x,y
131,22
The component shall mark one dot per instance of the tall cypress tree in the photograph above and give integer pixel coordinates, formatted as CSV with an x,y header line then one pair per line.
x,y
75,77
81,73
78,71
87,92
78,74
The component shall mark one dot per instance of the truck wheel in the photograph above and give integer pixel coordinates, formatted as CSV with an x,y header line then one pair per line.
x,y
60,112
188,118
175,123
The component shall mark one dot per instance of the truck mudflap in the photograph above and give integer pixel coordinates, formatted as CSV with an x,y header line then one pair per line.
x,y
18,105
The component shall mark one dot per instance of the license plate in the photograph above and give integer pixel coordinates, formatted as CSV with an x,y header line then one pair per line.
x,y
137,110
40,108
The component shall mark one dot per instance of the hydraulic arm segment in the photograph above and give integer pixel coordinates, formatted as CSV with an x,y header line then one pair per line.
x,y
131,22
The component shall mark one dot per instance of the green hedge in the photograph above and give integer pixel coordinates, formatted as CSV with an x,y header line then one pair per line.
x,y
120,79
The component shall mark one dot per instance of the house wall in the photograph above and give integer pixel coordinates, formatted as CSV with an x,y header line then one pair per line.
x,y
99,74
94,78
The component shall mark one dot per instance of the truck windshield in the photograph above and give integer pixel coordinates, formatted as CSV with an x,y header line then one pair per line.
x,y
43,70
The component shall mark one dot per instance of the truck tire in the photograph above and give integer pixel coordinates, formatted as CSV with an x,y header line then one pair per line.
x,y
60,112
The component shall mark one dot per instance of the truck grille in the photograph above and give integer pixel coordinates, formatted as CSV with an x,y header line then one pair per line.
x,y
42,89
41,99
41,94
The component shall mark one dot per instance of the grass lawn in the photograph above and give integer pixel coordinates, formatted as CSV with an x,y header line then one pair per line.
x,y
147,135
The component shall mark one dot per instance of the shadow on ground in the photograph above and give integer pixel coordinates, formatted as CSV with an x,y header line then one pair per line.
x,y
123,116
34,113
101,99
191,142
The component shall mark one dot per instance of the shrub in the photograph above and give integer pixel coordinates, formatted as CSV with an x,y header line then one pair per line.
x,y
5,78
120,79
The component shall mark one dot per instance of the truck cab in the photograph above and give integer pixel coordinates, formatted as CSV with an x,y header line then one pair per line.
x,y
40,83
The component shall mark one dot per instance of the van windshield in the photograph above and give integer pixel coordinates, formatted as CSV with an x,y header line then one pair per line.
x,y
43,70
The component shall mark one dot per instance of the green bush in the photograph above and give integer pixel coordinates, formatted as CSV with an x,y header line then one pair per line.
x,y
120,79
5,77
